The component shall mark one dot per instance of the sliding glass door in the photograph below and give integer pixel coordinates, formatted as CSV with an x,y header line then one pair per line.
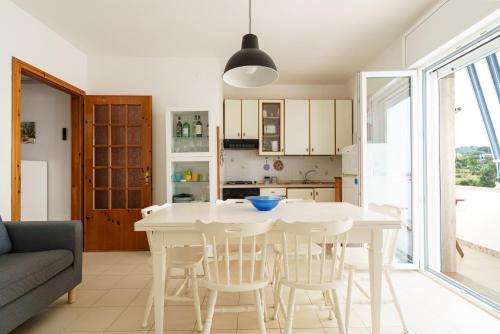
x,y
386,121
462,239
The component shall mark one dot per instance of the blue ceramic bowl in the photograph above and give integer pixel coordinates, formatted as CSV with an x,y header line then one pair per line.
x,y
264,203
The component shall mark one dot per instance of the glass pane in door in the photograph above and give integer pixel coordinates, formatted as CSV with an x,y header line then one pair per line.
x,y
387,151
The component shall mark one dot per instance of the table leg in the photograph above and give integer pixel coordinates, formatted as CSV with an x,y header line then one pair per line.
x,y
375,255
159,268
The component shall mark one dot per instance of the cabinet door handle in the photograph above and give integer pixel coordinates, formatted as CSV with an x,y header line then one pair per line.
x,y
317,193
238,134
243,134
307,150
312,194
312,149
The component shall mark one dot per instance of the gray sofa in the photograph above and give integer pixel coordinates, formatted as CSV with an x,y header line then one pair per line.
x,y
39,262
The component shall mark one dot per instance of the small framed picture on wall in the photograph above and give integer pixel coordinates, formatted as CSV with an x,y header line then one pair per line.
x,y
28,132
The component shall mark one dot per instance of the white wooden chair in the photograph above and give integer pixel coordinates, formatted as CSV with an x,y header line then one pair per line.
x,y
186,258
323,276
357,261
226,272
316,249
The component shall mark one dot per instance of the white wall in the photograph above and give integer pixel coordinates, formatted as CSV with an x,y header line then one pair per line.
x,y
173,82
25,38
248,165
288,92
51,110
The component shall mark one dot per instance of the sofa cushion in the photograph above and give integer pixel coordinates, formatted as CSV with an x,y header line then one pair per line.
x,y
5,244
22,272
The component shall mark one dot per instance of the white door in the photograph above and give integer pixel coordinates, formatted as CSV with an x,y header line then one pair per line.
x,y
324,194
297,127
300,193
232,119
343,125
322,127
250,119
386,116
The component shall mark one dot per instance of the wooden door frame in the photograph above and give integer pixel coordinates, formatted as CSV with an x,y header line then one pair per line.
x,y
20,68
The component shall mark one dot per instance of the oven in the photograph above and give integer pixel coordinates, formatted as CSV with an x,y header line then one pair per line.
x,y
239,193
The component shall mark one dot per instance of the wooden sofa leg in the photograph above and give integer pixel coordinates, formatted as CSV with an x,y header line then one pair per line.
x,y
71,296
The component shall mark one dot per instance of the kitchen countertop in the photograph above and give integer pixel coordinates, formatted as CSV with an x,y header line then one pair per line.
x,y
285,184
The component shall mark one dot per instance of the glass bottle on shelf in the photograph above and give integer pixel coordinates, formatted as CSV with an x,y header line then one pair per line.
x,y
199,128
178,128
193,127
186,130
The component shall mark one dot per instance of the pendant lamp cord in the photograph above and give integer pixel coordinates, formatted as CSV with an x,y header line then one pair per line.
x,y
250,16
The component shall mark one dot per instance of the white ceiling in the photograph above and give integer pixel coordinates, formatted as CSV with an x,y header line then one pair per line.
x,y
311,41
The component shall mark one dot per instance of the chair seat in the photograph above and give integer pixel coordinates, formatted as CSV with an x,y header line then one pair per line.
x,y
183,257
303,250
356,258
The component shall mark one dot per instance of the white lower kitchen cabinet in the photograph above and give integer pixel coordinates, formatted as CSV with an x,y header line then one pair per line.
x,y
300,193
324,194
272,191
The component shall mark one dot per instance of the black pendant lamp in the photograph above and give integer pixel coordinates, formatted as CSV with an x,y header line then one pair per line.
x,y
250,67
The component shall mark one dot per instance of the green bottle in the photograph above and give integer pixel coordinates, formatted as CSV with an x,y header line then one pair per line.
x,y
186,130
178,128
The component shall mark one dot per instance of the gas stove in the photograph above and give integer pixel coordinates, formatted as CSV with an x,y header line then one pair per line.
x,y
240,182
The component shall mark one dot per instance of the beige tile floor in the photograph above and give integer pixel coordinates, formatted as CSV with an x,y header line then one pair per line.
x,y
112,295
479,271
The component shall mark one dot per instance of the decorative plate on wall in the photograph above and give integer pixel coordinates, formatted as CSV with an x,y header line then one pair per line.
x,y
278,165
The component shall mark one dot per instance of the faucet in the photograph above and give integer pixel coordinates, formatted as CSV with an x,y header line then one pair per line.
x,y
306,174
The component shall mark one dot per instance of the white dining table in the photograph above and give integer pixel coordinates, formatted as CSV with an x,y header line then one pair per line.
x,y
175,225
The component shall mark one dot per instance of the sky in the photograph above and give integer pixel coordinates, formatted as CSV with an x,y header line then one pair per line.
x,y
469,127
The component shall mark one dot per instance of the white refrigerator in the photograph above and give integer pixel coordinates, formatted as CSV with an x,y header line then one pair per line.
x,y
350,170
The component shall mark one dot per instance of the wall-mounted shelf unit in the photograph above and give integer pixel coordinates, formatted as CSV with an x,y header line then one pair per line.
x,y
192,151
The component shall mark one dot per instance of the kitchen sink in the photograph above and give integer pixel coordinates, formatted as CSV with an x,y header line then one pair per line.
x,y
316,182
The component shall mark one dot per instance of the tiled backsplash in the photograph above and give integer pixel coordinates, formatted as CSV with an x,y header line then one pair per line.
x,y
248,165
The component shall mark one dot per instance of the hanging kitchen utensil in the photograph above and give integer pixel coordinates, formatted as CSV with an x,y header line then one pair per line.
x,y
266,165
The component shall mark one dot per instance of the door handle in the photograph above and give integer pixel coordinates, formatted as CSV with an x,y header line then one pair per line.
x,y
146,177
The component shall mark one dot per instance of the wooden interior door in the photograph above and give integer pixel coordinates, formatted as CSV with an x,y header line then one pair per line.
x,y
117,171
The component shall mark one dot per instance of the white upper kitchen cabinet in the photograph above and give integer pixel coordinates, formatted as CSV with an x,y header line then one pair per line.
x,y
232,119
271,127
322,127
343,122
300,193
324,194
250,119
296,127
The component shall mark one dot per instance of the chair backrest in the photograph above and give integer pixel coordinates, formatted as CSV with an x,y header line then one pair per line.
x,y
297,242
153,208
227,245
390,236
